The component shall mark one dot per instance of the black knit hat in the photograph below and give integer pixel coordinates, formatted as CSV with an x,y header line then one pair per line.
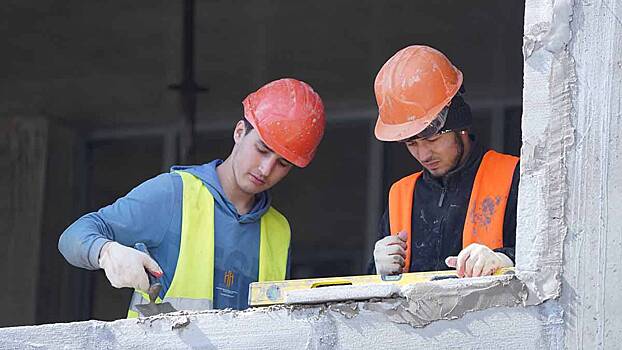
x,y
455,118
459,116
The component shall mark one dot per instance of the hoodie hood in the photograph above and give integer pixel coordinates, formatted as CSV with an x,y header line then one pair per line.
x,y
207,173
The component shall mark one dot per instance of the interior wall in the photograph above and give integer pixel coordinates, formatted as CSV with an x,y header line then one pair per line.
x,y
90,62
110,64
111,177
23,161
63,291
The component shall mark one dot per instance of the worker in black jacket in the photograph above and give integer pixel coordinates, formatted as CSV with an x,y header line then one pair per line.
x,y
460,211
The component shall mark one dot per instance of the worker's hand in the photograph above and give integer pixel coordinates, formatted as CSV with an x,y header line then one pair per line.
x,y
478,260
390,254
125,266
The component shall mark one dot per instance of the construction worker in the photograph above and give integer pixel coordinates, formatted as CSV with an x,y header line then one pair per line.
x,y
460,211
210,229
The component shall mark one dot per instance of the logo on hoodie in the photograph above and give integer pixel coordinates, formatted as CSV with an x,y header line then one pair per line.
x,y
229,276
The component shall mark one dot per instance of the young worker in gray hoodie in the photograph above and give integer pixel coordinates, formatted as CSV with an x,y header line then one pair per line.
x,y
209,228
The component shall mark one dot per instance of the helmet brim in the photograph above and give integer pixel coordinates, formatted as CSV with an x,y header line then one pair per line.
x,y
398,132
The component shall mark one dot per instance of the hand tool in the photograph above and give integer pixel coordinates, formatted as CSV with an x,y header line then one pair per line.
x,y
276,292
152,308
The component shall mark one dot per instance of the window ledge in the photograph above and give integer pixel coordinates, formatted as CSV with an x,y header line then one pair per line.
x,y
421,303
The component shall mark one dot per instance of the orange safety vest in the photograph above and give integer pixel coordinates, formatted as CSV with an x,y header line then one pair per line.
x,y
484,220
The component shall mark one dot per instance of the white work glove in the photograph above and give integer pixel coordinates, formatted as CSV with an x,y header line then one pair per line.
x,y
478,260
390,254
125,266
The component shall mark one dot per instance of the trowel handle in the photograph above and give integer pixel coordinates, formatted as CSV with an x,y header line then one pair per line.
x,y
141,247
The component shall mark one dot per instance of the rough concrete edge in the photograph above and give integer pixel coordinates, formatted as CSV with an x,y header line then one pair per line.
x,y
176,319
308,327
544,281
423,303
417,304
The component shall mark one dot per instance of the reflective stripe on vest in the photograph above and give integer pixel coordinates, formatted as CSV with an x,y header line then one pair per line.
x,y
484,220
192,287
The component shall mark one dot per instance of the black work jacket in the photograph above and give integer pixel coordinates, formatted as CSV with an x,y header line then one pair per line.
x,y
439,212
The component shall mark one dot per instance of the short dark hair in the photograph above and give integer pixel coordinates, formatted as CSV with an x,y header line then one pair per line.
x,y
247,126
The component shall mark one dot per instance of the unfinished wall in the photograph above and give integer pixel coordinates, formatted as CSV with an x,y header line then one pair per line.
x,y
38,198
571,170
548,137
291,328
395,318
592,267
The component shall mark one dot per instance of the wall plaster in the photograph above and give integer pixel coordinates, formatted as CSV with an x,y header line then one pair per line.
x,y
548,136
569,242
423,303
298,327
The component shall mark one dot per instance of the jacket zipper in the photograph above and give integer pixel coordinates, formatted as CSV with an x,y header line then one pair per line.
x,y
440,200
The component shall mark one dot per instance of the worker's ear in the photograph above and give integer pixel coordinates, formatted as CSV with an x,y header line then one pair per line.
x,y
239,131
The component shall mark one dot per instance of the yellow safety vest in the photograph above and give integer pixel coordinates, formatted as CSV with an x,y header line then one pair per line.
x,y
192,287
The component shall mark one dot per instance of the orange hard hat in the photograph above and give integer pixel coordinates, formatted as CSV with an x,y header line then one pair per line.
x,y
412,88
289,117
